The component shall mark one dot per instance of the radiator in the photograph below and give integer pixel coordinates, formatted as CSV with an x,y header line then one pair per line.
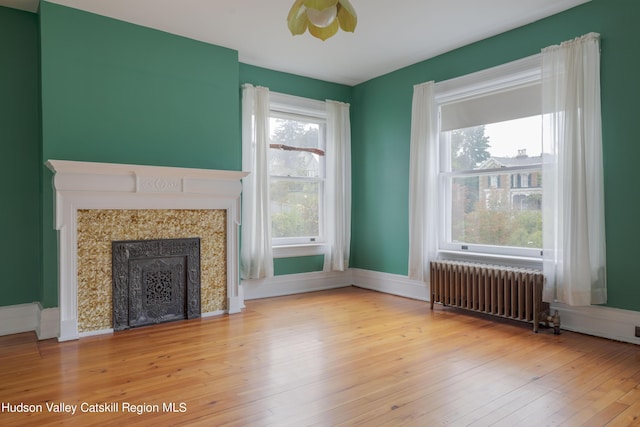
x,y
512,293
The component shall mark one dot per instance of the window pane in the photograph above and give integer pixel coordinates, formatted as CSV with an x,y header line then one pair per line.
x,y
468,148
505,144
295,148
294,163
295,208
487,214
493,207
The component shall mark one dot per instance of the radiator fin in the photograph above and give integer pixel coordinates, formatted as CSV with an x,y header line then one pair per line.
x,y
514,293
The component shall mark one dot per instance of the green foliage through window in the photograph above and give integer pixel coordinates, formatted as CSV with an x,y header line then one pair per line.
x,y
296,164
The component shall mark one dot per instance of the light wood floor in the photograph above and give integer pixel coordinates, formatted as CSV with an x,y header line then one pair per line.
x,y
340,357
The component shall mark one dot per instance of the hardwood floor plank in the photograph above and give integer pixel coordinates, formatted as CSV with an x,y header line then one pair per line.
x,y
340,357
593,402
628,417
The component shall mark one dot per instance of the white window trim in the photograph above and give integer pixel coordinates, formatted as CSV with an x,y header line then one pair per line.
x,y
298,250
517,73
308,109
297,105
522,72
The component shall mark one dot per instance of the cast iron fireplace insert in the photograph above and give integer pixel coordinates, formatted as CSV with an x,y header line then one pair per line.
x,y
155,281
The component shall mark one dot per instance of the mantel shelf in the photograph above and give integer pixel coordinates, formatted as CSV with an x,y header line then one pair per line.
x,y
95,168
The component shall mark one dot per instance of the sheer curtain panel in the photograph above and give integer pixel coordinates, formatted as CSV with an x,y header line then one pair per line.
x,y
573,195
338,186
423,182
256,257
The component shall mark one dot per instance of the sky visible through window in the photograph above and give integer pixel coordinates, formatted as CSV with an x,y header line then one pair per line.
x,y
506,138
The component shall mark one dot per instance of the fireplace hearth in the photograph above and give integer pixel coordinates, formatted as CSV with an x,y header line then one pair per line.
x,y
155,281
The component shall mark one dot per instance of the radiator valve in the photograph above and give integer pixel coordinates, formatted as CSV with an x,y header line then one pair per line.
x,y
555,319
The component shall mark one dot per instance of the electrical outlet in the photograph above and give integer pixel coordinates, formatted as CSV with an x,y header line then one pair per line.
x,y
638,331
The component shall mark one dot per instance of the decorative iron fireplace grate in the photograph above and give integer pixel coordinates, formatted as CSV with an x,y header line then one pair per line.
x,y
155,281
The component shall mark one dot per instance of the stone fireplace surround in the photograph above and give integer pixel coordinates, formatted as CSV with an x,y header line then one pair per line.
x,y
89,185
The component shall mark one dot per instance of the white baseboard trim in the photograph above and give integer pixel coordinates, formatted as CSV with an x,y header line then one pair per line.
x,y
15,319
48,325
605,322
391,284
295,284
95,333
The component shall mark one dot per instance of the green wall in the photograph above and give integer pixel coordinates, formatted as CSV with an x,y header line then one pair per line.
x,y
20,257
292,84
120,93
304,264
382,123
116,92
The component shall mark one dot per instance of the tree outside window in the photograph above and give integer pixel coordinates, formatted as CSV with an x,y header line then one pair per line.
x,y
296,163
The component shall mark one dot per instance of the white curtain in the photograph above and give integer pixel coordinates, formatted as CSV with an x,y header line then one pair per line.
x,y
423,182
338,187
573,190
256,257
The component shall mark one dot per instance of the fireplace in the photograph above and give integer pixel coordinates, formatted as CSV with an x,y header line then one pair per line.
x,y
98,203
155,281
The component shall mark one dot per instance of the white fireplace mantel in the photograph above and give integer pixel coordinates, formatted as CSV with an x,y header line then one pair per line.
x,y
89,185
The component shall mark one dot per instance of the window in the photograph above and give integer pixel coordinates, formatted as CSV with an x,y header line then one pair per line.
x,y
297,170
490,150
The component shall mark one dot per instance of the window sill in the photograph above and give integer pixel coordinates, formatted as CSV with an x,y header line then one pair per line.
x,y
507,260
291,251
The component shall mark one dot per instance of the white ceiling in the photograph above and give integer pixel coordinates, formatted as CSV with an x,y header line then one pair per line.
x,y
390,34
